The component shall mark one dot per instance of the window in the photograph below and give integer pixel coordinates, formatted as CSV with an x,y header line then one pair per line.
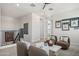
x,y
49,27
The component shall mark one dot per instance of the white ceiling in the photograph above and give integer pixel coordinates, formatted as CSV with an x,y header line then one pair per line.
x,y
10,9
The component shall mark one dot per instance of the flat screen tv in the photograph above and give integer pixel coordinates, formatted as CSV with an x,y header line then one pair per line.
x,y
25,28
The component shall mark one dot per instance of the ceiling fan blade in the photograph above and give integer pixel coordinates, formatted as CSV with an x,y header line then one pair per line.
x,y
45,5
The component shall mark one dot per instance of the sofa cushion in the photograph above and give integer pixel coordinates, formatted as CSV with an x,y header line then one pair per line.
x,y
27,43
34,51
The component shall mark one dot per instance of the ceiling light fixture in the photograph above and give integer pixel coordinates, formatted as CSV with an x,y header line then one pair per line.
x,y
17,5
33,5
50,9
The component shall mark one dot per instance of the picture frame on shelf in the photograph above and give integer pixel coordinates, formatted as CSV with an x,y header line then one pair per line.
x,y
58,24
74,22
65,27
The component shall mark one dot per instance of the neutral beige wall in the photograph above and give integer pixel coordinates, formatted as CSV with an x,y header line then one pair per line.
x,y
73,34
6,24
0,27
0,18
27,19
44,28
35,27
33,21
9,23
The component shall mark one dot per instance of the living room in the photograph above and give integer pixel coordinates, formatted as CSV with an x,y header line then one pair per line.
x,y
39,27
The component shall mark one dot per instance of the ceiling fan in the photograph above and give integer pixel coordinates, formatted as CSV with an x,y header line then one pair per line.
x,y
45,4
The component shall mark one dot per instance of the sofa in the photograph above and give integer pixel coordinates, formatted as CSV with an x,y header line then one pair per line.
x,y
22,50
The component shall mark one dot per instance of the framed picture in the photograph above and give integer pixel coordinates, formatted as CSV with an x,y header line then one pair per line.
x,y
74,22
65,26
58,24
66,20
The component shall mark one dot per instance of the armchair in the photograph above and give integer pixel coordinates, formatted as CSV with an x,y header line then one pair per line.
x,y
53,40
64,43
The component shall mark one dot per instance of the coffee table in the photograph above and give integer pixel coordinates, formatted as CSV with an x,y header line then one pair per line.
x,y
51,50
54,49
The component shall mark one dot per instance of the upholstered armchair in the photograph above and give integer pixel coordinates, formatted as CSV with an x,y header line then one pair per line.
x,y
53,38
64,42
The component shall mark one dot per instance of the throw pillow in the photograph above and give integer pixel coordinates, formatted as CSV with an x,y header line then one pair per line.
x,y
50,43
27,43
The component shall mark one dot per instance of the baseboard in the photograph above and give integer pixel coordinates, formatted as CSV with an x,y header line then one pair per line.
x,y
74,44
